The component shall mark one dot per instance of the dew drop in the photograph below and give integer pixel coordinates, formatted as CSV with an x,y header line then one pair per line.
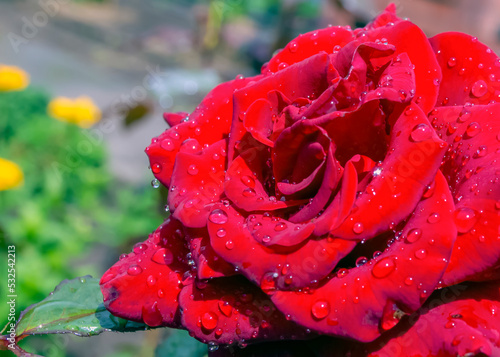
x,y
140,248
320,309
151,280
421,254
218,216
229,244
433,217
383,268
280,226
268,283
221,233
361,261
409,281
209,320
225,308
167,144
163,256
421,132
479,88
473,129
293,46
248,181
342,273
465,219
151,315
192,170
155,183
107,277
249,192
134,270
452,62
358,228
156,168
413,235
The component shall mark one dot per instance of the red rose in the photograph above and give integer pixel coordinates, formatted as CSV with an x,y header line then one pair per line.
x,y
332,195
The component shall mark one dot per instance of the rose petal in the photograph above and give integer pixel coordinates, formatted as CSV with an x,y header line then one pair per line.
x,y
268,230
173,119
197,181
470,70
224,311
309,44
296,266
409,38
456,321
353,304
208,263
414,155
209,123
144,284
244,183
307,78
471,168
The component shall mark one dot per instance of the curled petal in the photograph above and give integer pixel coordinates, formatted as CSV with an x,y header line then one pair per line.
x,y
361,303
197,181
144,285
229,310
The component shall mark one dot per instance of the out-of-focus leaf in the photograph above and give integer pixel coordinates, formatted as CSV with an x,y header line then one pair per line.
x,y
179,343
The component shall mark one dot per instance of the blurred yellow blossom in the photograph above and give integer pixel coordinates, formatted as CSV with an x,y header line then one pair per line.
x,y
13,78
10,175
80,111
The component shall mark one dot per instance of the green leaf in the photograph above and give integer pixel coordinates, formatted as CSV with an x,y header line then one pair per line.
x,y
179,343
75,306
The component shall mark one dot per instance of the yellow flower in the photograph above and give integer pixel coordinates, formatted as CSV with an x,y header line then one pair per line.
x,y
13,78
10,175
80,111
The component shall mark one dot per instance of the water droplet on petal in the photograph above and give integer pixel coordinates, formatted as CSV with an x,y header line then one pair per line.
x,y
134,270
225,308
268,283
293,46
361,261
151,280
473,129
342,273
320,309
434,217
452,62
140,248
421,132
358,228
479,88
383,268
156,168
192,170
229,244
209,320
249,192
221,233
421,254
413,235
151,315
248,181
409,281
280,226
465,219
218,216
168,145
107,277
163,256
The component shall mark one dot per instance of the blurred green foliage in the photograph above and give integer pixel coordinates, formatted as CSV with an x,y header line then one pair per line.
x,y
70,214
